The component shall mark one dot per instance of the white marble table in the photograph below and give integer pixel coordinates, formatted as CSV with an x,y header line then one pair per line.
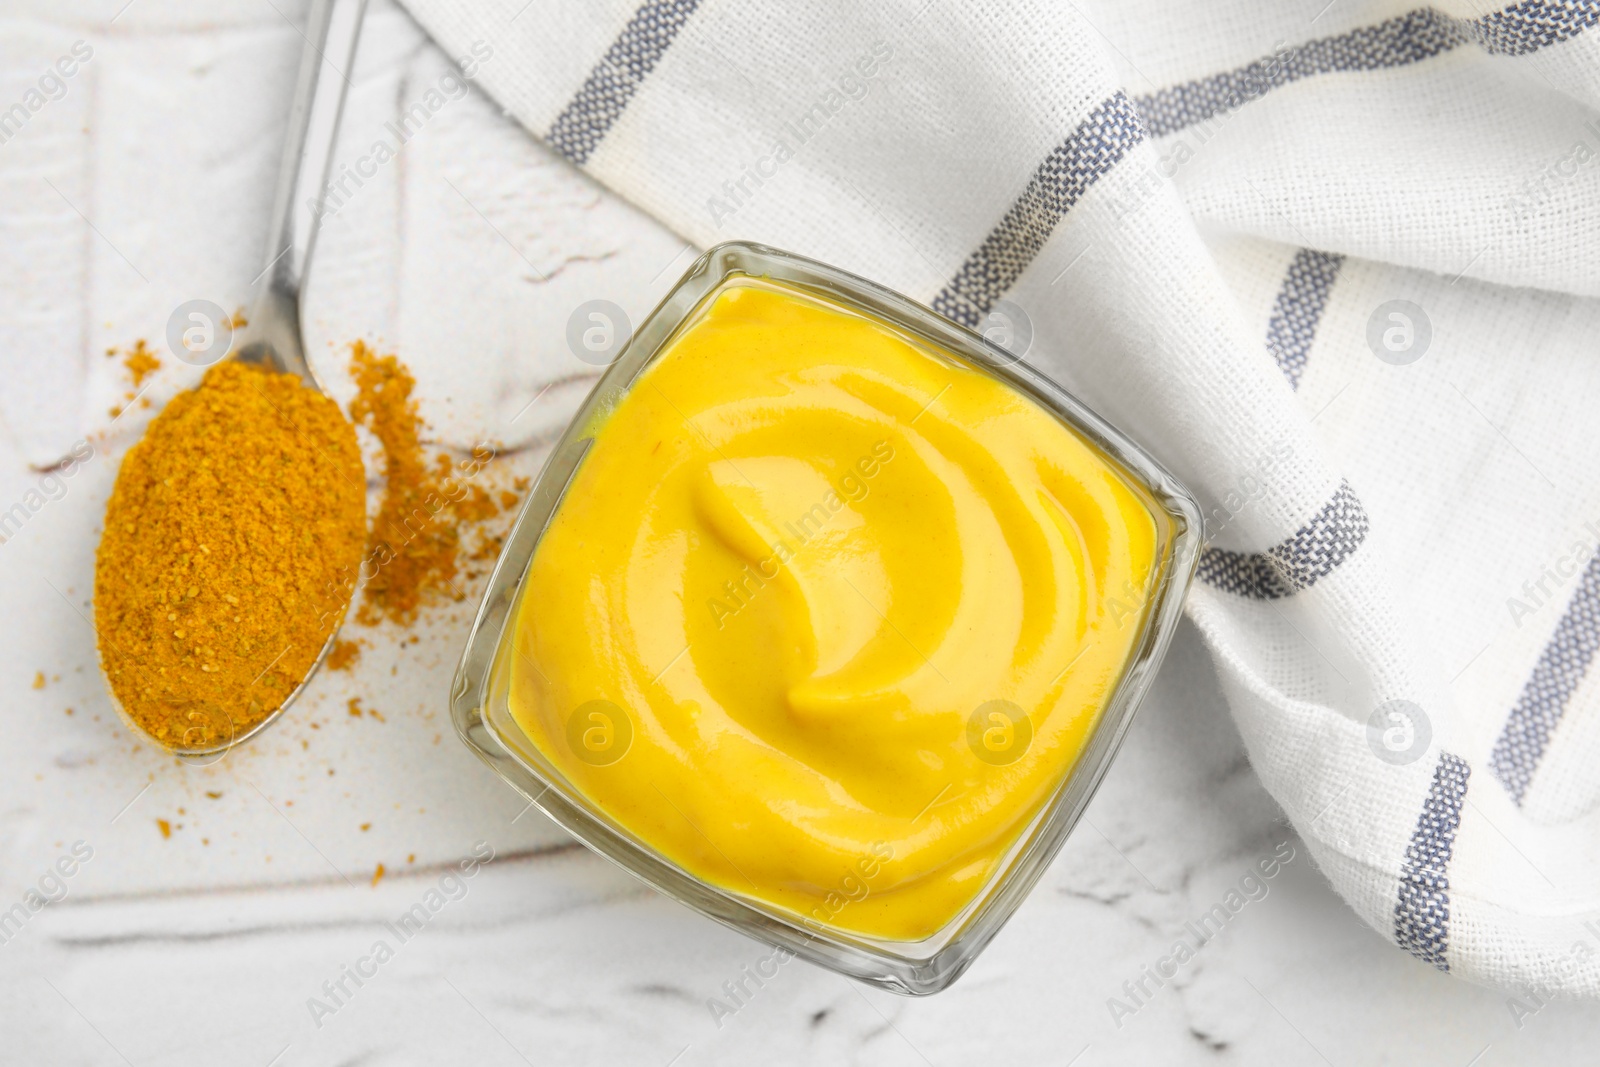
x,y
144,185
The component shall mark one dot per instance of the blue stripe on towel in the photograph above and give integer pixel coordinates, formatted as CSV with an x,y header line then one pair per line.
x,y
584,122
1422,906
1528,27
1104,136
1298,309
1294,564
1556,675
1396,42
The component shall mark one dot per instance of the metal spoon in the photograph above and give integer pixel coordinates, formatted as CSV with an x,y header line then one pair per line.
x,y
272,339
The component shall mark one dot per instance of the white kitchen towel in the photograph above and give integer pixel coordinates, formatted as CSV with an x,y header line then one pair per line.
x,y
1337,262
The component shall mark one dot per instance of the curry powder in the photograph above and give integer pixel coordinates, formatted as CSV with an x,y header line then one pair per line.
x,y
232,541
413,549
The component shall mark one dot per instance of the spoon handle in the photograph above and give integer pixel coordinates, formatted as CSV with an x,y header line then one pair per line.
x,y
273,336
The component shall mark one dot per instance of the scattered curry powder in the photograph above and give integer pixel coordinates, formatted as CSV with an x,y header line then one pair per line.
x,y
489,546
413,548
141,362
343,654
478,505
231,544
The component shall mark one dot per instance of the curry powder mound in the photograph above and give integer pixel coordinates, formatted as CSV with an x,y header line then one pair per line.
x,y
232,542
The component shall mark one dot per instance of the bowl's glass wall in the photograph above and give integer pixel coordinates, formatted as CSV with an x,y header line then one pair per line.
x,y
480,704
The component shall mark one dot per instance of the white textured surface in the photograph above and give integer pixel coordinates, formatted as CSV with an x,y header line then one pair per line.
x,y
176,952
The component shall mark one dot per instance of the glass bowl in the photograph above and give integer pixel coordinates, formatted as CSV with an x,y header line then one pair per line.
x,y
480,704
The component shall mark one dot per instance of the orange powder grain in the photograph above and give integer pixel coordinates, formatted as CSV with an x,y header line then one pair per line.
x,y
343,655
141,362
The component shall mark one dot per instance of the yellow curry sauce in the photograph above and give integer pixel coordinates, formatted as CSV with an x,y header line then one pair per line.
x,y
826,616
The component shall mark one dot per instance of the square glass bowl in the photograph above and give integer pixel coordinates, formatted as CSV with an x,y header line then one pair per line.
x,y
480,704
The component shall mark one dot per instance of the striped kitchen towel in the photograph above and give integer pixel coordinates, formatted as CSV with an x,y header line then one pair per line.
x,y
1337,262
